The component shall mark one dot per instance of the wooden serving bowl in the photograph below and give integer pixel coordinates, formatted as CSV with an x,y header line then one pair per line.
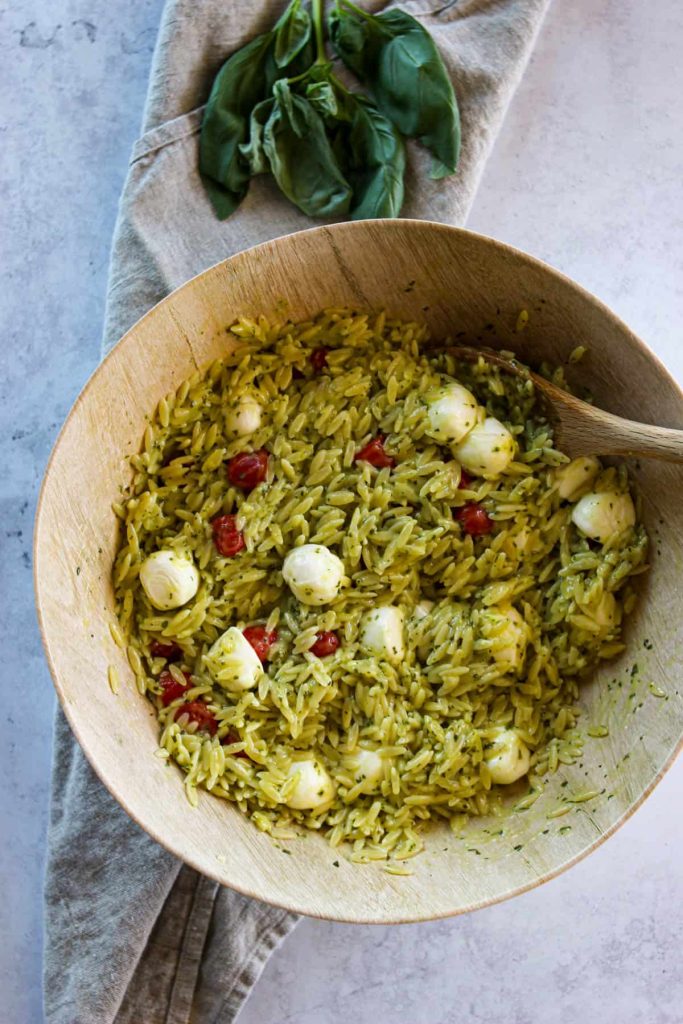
x,y
456,281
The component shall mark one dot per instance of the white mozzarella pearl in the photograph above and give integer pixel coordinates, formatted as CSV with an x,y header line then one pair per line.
x,y
382,633
451,413
487,450
313,787
245,417
232,662
604,514
507,758
313,574
366,766
168,579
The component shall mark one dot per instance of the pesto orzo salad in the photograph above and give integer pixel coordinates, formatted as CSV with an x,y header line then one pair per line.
x,y
360,586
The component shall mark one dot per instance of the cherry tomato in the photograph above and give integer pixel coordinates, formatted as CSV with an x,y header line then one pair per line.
x,y
260,639
169,651
229,540
318,359
465,480
248,469
326,643
171,689
199,713
475,519
374,453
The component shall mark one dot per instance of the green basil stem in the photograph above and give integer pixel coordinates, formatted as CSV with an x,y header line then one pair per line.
x,y
317,12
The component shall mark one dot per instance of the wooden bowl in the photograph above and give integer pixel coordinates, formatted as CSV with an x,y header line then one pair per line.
x,y
455,281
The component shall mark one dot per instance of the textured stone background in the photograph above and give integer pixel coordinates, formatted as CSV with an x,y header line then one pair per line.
x,y
587,174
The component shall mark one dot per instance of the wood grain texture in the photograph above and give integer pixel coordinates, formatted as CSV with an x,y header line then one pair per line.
x,y
467,288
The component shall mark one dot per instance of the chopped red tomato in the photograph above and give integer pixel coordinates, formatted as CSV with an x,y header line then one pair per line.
x,y
199,713
169,651
318,359
261,639
326,643
465,480
171,689
248,469
474,519
374,453
229,540
234,737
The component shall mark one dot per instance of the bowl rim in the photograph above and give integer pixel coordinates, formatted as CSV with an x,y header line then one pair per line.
x,y
384,224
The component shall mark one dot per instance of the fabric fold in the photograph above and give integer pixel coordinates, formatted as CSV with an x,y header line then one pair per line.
x,y
131,935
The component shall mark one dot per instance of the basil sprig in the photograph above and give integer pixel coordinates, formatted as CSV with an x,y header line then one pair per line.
x,y
277,107
396,57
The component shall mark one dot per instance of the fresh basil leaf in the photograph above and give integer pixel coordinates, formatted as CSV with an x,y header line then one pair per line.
x,y
301,157
224,201
292,32
349,33
245,79
242,82
399,61
374,161
253,151
323,99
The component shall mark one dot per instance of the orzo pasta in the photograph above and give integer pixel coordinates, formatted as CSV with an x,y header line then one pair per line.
x,y
360,586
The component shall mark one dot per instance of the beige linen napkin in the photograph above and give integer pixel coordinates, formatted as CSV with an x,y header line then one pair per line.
x,y
131,935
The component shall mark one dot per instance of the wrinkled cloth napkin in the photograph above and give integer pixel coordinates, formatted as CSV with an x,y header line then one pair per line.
x,y
132,936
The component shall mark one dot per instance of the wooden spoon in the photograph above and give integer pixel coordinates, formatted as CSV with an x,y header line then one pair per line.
x,y
580,428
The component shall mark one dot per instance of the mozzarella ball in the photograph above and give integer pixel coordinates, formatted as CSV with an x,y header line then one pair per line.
x,y
313,574
604,514
366,766
313,787
382,633
451,413
245,417
513,638
487,450
422,609
168,579
232,662
576,476
507,758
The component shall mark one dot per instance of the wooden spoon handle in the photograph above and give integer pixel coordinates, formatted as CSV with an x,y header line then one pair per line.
x,y
591,431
